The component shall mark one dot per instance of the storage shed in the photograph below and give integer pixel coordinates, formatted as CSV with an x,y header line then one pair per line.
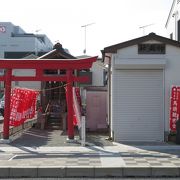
x,y
140,75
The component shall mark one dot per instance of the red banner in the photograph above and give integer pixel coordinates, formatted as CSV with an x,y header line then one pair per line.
x,y
174,107
77,105
23,105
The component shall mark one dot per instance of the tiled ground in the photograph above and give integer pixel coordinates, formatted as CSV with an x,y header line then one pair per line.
x,y
91,158
51,159
102,154
151,158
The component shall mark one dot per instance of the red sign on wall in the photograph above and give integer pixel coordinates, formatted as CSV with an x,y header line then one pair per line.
x,y
174,107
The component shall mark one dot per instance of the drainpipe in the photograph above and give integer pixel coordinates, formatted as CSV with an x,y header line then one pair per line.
x,y
109,96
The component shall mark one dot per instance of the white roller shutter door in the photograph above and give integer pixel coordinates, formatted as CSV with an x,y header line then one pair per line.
x,y
137,105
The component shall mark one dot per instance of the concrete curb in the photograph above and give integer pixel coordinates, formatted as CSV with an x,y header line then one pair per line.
x,y
97,172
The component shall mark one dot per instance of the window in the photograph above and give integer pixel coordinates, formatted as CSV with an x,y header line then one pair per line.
x,y
16,83
151,48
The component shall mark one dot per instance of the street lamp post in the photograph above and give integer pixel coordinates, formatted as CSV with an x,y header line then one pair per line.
x,y
85,26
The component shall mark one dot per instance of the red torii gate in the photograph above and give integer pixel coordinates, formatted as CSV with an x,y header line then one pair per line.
x,y
39,66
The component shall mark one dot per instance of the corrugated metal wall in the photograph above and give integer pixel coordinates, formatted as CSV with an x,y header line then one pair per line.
x,y
137,105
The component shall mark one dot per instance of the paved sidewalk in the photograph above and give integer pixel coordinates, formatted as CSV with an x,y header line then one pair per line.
x,y
47,154
1,123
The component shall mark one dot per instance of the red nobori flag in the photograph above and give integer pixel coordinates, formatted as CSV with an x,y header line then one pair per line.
x,y
23,105
174,107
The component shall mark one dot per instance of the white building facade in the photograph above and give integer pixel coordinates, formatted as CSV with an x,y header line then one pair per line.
x,y
16,43
141,74
97,73
173,21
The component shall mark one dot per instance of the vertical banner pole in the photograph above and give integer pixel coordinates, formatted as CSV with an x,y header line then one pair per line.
x,y
83,131
8,76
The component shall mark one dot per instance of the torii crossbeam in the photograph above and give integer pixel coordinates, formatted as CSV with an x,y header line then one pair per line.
x,y
39,66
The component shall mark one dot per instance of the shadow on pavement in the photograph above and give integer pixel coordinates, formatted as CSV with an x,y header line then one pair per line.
x,y
52,138
156,149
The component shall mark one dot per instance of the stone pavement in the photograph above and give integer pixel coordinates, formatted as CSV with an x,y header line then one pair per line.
x,y
1,122
39,153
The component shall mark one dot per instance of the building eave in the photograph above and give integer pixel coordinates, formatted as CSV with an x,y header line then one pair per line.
x,y
151,36
47,55
57,53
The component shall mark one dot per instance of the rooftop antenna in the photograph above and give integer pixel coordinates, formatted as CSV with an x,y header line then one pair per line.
x,y
56,41
37,31
85,26
145,26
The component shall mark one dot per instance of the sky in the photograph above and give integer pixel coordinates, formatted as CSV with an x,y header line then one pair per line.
x,y
113,21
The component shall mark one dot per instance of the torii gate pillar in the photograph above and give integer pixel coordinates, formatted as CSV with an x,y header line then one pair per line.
x,y
70,104
7,104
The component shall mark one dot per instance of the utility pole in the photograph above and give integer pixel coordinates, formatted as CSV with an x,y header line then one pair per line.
x,y
143,27
85,26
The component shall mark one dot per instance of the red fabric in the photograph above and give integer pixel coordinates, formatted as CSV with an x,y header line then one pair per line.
x,y
74,119
77,91
23,105
174,107
74,116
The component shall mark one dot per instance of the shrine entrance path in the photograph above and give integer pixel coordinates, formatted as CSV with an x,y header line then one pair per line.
x,y
54,138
